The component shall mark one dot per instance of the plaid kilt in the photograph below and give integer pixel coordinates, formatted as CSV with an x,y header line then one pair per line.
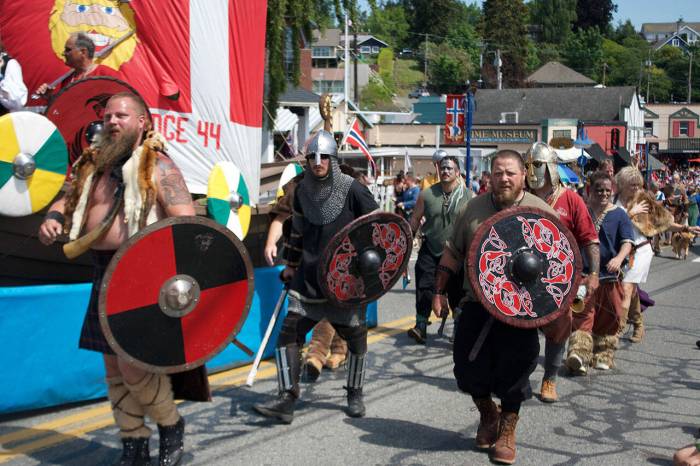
x,y
91,336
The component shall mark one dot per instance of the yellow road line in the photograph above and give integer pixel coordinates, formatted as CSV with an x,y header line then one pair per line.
x,y
101,414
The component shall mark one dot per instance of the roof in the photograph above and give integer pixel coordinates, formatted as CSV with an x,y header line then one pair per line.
x,y
554,72
327,38
361,38
297,96
651,28
660,43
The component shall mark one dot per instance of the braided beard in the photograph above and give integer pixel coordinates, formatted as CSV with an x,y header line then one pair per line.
x,y
112,149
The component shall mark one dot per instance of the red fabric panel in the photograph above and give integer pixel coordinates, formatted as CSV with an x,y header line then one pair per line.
x,y
691,129
141,272
247,21
216,316
676,129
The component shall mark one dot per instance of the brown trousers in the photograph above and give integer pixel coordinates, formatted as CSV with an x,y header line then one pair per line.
x,y
602,312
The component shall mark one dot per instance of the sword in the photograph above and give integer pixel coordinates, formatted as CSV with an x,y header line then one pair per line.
x,y
99,54
443,315
273,319
480,339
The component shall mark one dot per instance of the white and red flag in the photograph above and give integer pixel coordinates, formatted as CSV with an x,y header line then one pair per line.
x,y
199,64
454,119
355,139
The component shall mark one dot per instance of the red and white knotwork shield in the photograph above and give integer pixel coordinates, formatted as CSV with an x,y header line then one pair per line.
x,y
81,104
524,266
175,294
365,259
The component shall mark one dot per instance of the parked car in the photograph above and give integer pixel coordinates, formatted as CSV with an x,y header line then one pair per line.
x,y
420,92
406,53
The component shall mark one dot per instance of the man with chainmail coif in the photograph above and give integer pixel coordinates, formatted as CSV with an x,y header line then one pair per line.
x,y
325,201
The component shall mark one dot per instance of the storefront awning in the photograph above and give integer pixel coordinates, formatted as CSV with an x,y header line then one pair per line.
x,y
567,175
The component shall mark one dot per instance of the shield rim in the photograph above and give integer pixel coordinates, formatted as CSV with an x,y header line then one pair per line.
x,y
472,259
337,239
166,223
92,78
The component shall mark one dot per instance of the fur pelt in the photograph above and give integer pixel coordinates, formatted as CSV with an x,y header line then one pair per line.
x,y
581,344
604,350
656,221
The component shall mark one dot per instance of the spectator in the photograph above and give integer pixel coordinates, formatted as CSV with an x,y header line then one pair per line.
x,y
13,92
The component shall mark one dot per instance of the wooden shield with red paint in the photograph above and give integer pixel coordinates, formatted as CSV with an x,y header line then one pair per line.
x,y
524,266
365,259
175,294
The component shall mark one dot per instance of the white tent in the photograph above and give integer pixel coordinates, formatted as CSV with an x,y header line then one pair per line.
x,y
570,155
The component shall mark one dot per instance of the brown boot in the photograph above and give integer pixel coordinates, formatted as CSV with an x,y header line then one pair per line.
x,y
504,450
638,333
339,351
548,391
488,423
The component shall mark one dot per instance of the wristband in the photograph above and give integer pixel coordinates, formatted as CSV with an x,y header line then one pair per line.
x,y
442,268
593,274
438,292
56,215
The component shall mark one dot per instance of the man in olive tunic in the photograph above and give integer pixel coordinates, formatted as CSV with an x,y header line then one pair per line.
x,y
508,355
439,204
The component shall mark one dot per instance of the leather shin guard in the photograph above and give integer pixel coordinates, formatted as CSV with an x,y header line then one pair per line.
x,y
127,411
155,393
356,370
288,368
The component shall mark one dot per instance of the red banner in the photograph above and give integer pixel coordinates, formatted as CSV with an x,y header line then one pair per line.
x,y
454,119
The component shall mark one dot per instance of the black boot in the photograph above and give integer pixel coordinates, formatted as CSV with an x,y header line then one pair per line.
x,y
419,332
288,367
356,378
135,452
172,444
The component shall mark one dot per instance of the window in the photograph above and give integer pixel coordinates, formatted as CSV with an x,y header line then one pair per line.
x,y
366,49
509,117
288,53
674,42
684,128
375,49
561,133
321,52
648,128
332,87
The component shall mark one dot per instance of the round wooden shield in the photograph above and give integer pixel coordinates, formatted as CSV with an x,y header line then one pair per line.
x,y
175,294
33,163
228,200
524,266
290,171
78,105
364,260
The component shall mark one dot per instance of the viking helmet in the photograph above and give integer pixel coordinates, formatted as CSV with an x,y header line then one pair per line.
x,y
439,155
539,159
322,142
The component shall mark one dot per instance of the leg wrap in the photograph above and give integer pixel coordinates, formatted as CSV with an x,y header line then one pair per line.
x,y
604,349
155,393
320,344
356,370
581,344
553,354
128,413
338,345
288,367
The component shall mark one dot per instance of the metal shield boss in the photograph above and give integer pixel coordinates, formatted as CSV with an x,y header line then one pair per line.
x,y
78,109
364,260
524,266
175,294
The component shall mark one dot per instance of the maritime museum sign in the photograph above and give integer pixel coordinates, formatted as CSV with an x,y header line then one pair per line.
x,y
513,136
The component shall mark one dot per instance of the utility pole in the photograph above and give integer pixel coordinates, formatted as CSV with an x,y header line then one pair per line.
x,y
690,76
354,68
605,67
648,75
425,64
499,75
346,72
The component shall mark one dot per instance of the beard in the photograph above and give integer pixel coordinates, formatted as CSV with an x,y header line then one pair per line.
x,y
114,149
508,197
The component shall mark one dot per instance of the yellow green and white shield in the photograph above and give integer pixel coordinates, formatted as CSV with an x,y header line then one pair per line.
x,y
290,171
33,163
228,201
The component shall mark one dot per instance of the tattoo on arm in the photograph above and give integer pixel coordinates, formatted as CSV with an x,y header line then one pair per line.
x,y
173,189
593,253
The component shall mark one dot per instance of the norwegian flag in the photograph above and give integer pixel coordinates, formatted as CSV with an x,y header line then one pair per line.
x,y
355,139
454,119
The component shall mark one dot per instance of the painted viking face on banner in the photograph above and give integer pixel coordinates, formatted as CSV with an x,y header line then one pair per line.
x,y
539,159
104,21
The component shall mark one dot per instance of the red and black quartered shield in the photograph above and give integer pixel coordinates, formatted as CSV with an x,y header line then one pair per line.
x,y
78,105
175,294
364,259
524,266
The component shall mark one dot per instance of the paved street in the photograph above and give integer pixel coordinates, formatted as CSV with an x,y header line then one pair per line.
x,y
636,414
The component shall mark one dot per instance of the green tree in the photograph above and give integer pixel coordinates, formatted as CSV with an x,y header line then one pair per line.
x,y
625,62
385,61
388,21
503,28
594,13
623,31
554,19
437,18
449,68
660,85
464,37
376,95
583,51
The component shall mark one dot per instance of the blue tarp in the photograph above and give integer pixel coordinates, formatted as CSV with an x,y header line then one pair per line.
x,y
567,175
39,331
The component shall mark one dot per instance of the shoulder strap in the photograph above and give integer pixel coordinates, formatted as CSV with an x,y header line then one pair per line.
x,y
5,61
